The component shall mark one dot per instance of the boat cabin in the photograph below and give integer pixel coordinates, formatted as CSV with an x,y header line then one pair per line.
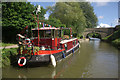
x,y
49,37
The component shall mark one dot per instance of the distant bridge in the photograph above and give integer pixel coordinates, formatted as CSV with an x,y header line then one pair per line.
x,y
102,31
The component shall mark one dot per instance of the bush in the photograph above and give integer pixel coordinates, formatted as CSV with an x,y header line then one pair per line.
x,y
74,34
116,43
114,36
6,53
81,37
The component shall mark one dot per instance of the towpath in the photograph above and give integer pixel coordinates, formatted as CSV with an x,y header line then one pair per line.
x,y
7,47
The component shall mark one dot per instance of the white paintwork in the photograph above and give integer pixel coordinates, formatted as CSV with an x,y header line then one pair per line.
x,y
53,60
43,48
20,36
65,41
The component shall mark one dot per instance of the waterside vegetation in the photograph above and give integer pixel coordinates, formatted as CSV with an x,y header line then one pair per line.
x,y
7,54
114,38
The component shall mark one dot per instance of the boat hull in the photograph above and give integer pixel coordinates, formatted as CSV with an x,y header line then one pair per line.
x,y
36,60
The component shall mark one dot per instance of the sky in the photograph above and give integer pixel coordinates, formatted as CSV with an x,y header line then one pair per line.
x,y
106,11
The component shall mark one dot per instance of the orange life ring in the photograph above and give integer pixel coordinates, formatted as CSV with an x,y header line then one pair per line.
x,y
23,62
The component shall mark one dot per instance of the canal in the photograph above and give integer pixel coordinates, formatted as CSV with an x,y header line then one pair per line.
x,y
94,59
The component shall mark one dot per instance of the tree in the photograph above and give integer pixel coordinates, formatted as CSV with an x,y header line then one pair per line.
x,y
17,16
69,13
54,22
78,15
91,19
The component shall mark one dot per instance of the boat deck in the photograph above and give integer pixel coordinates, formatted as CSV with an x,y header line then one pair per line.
x,y
65,41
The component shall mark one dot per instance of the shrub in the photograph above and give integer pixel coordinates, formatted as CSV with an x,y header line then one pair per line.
x,y
116,43
6,53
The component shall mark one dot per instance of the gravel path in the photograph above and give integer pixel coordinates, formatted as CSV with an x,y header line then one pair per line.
x,y
7,47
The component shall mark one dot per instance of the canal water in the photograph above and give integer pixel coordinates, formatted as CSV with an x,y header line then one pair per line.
x,y
94,59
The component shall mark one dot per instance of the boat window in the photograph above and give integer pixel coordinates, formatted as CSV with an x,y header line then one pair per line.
x,y
52,33
48,33
75,42
42,33
57,33
35,33
65,46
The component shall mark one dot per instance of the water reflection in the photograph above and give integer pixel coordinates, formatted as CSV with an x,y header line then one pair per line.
x,y
94,59
49,72
95,42
53,73
21,76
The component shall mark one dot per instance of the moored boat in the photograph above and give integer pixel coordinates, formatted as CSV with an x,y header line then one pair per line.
x,y
46,45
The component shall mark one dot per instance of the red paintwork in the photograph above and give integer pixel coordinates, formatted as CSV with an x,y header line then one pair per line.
x,y
55,43
50,42
41,52
43,42
59,40
24,51
70,44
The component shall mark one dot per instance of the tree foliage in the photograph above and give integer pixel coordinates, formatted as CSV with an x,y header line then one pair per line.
x,y
16,16
91,19
78,15
54,22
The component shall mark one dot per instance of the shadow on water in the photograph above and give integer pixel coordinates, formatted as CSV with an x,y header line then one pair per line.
x,y
29,72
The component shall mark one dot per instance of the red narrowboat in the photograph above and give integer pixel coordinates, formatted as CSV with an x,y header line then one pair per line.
x,y
47,45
